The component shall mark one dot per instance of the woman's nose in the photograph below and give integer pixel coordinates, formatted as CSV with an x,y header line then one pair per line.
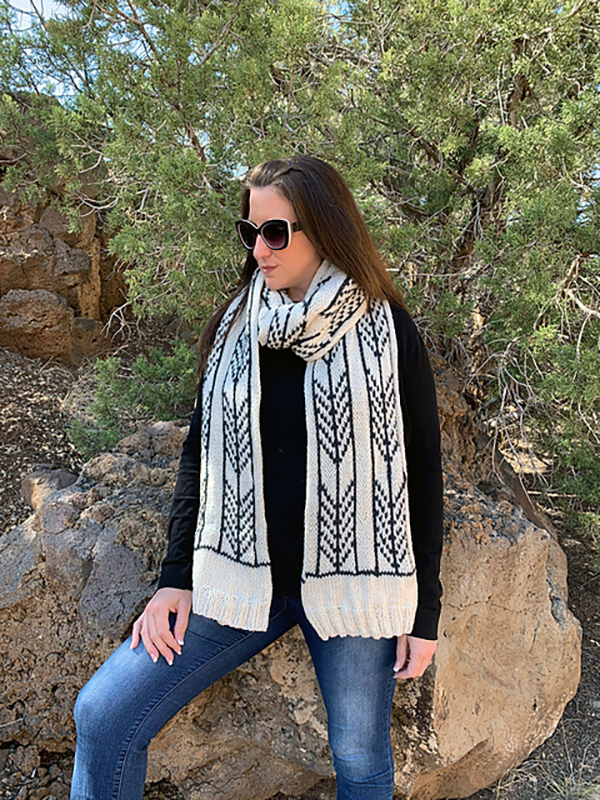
x,y
260,249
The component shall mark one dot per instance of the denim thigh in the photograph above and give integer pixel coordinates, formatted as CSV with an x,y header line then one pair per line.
x,y
130,698
356,678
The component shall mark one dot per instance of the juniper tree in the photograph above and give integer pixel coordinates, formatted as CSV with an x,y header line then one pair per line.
x,y
468,131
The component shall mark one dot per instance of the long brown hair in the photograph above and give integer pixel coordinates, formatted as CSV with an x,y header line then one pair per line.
x,y
330,218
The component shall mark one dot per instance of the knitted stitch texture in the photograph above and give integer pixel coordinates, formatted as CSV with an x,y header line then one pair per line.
x,y
359,574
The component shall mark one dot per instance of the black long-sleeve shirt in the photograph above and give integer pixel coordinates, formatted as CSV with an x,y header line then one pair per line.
x,y
283,438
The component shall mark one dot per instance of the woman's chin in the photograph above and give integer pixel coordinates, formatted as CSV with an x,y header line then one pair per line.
x,y
274,284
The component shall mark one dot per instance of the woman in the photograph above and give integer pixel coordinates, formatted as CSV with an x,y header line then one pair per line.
x,y
309,492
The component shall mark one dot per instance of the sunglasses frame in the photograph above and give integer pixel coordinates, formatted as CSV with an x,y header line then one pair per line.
x,y
291,227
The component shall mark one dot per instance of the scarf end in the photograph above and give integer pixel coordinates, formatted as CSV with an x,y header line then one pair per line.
x,y
377,607
214,595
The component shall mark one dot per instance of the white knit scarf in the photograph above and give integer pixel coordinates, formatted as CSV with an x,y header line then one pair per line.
x,y
358,576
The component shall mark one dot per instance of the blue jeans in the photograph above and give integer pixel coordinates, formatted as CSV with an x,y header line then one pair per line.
x,y
130,699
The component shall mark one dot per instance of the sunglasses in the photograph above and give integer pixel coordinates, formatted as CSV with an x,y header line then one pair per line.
x,y
275,233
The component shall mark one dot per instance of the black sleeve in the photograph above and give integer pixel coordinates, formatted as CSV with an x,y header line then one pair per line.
x,y
423,462
176,570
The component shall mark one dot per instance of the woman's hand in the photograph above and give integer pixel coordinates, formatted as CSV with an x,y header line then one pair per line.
x,y
413,656
153,624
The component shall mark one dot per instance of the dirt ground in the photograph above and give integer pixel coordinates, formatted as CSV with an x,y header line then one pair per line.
x,y
36,401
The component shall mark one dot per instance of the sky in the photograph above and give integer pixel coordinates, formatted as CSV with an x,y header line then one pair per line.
x,y
48,8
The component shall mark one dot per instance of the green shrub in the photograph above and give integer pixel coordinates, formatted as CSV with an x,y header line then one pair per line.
x,y
157,387
468,131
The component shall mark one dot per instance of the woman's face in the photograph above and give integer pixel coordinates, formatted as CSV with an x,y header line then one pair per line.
x,y
293,268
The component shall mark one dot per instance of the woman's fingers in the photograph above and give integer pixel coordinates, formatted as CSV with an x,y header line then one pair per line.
x,y
135,633
420,653
161,636
158,639
153,625
147,640
181,623
401,652
414,669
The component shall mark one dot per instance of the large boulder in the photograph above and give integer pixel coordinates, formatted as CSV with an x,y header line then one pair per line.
x,y
75,575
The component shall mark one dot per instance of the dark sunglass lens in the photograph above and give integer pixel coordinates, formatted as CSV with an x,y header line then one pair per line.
x,y
247,234
275,234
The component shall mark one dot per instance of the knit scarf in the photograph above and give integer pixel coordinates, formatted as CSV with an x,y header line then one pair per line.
x,y
358,576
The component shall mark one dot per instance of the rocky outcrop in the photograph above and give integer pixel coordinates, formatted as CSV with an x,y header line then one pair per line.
x,y
57,288
75,575
39,485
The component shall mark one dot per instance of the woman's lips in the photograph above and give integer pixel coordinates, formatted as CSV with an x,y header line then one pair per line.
x,y
267,268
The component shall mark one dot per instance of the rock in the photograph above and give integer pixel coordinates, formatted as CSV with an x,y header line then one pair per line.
x,y
115,592
139,442
115,469
69,558
57,225
87,337
36,486
71,273
167,438
25,759
56,516
74,576
36,324
38,253
508,658
37,261
14,217
112,281
19,552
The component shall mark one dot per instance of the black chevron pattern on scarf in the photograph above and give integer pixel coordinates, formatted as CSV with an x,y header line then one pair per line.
x,y
238,524
208,380
335,444
288,328
337,544
374,330
385,420
237,446
391,518
277,335
215,354
345,303
314,328
333,408
240,358
238,507
389,508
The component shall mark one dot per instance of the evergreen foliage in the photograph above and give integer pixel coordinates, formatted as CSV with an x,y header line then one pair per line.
x,y
156,387
468,130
